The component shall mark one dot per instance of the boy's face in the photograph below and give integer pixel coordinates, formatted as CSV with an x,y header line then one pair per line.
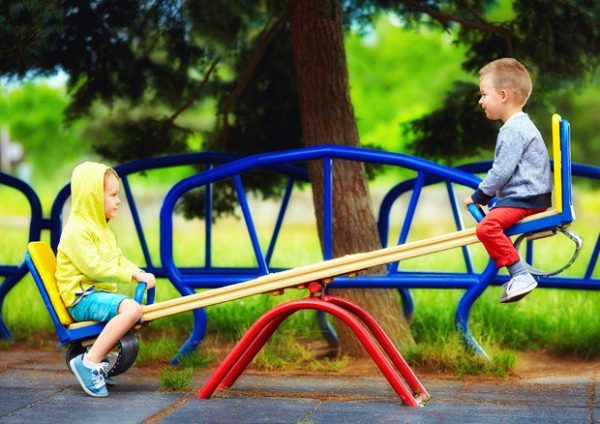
x,y
492,101
111,196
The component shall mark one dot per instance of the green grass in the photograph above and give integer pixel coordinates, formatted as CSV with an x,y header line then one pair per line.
x,y
158,347
560,321
448,355
176,378
286,351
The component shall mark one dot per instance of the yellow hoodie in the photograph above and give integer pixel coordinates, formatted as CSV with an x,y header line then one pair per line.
x,y
87,253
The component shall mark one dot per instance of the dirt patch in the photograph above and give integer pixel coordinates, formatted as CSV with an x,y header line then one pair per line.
x,y
541,363
529,364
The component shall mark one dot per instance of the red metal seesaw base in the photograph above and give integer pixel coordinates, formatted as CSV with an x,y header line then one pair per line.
x,y
402,379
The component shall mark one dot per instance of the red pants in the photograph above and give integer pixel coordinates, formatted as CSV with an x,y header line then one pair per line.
x,y
490,231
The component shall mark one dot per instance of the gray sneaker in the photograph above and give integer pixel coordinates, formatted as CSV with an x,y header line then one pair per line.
x,y
91,380
517,288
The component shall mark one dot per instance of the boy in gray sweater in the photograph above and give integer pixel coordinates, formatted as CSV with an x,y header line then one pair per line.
x,y
520,176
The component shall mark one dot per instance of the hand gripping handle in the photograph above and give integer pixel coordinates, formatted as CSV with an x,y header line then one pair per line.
x,y
476,211
139,294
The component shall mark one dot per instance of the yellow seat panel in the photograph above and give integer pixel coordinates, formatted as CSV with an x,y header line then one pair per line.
x,y
557,156
45,263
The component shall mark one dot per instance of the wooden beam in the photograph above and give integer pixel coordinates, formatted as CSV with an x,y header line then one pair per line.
x,y
321,271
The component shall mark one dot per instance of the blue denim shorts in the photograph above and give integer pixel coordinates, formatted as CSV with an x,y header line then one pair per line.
x,y
97,306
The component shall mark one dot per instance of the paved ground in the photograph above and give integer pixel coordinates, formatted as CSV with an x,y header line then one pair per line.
x,y
36,387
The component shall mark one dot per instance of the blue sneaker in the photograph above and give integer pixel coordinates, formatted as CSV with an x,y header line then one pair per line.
x,y
104,368
91,380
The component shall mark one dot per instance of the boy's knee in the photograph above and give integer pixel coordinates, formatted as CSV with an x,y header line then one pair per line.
x,y
481,230
486,228
131,308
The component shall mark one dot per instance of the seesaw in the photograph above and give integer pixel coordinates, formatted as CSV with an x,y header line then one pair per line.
x,y
313,277
41,262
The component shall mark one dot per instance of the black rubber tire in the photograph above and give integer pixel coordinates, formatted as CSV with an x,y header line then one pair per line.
x,y
127,351
120,358
74,349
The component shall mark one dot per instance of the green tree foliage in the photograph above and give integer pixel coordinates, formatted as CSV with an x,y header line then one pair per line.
x,y
153,60
581,108
557,41
34,114
398,75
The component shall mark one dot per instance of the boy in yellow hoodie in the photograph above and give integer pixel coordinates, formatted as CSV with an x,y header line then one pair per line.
x,y
90,266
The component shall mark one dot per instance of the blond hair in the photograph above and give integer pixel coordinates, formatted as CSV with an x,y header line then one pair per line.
x,y
509,74
109,172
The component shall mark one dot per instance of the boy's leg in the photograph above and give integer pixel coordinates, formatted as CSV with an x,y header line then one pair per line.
x,y
490,232
122,314
129,312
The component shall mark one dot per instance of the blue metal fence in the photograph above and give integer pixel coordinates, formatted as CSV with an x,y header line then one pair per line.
x,y
13,273
219,167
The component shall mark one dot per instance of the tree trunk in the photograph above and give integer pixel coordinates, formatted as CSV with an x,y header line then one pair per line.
x,y
328,118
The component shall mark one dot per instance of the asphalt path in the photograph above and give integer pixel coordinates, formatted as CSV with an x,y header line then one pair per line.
x,y
36,387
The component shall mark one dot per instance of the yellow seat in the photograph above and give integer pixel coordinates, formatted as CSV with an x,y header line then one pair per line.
x,y
45,262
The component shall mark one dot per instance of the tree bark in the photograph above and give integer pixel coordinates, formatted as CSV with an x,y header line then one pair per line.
x,y
328,118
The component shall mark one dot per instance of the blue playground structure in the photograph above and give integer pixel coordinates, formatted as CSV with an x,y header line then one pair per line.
x,y
221,167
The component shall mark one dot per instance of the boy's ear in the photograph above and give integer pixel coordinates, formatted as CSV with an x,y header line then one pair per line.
x,y
504,94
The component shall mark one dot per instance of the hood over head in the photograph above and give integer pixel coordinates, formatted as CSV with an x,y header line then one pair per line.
x,y
87,192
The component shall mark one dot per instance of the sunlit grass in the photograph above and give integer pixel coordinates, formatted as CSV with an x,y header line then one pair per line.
x,y
448,354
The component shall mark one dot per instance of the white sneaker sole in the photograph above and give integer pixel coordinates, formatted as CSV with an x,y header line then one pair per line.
x,y
81,383
518,294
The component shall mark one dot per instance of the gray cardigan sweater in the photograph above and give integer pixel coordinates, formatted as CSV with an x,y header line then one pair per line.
x,y
520,176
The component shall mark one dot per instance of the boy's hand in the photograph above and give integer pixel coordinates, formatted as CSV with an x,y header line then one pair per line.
x,y
468,200
145,277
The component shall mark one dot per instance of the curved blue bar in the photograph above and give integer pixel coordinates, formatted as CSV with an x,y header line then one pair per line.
x,y
266,161
408,304
464,308
35,222
10,281
14,274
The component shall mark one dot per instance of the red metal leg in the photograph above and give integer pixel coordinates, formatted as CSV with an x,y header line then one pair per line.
x,y
242,352
384,341
237,353
246,358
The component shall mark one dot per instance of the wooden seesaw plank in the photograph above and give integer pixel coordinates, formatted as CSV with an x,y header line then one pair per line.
x,y
321,271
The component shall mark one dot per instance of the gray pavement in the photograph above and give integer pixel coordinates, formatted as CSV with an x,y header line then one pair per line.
x,y
36,387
